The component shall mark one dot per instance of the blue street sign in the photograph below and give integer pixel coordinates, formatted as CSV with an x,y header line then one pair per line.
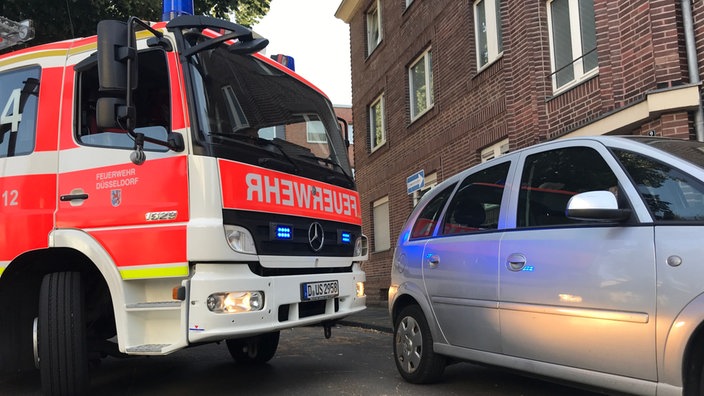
x,y
415,181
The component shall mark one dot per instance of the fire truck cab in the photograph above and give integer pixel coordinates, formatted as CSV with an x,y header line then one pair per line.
x,y
164,185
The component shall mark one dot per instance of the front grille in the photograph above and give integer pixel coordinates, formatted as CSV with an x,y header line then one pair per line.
x,y
260,224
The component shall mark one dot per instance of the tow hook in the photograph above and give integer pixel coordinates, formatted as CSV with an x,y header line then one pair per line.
x,y
327,329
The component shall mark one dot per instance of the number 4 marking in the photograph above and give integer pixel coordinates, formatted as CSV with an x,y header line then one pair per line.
x,y
11,113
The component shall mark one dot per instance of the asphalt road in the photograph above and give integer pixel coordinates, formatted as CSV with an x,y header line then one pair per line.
x,y
354,361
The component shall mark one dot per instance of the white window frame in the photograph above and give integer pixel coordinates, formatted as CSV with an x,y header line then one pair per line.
x,y
408,3
576,43
494,151
491,31
374,26
311,135
427,62
382,227
373,143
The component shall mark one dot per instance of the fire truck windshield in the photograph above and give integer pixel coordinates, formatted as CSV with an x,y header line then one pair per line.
x,y
250,111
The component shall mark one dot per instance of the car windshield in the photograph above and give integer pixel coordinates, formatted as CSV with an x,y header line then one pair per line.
x,y
250,111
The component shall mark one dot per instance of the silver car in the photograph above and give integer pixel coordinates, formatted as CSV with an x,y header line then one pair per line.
x,y
579,259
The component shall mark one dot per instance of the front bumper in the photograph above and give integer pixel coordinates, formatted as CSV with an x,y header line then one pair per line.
x,y
282,308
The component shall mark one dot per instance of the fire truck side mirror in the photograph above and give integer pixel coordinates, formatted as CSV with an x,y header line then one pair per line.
x,y
115,52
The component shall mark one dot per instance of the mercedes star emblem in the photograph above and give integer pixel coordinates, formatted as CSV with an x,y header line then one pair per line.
x,y
316,236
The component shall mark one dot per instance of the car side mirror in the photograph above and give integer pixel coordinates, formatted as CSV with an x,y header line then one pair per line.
x,y
600,206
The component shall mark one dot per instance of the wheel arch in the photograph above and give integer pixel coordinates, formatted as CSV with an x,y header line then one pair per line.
x,y
20,284
411,294
684,347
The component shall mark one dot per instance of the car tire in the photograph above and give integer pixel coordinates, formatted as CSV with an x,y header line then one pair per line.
x,y
61,335
258,349
413,348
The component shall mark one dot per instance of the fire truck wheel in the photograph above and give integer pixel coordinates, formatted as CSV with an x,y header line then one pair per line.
x,y
63,358
258,349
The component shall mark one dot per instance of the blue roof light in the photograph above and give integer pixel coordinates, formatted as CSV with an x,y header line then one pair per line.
x,y
174,8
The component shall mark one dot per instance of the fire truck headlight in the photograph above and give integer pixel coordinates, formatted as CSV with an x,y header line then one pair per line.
x,y
360,289
361,247
236,302
240,239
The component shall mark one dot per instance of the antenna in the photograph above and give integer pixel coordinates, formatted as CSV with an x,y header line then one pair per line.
x,y
13,33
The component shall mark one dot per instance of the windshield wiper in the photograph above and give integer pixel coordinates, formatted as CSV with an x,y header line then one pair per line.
x,y
257,141
334,164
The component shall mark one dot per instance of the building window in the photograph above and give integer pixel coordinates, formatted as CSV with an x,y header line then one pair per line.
x,y
377,127
573,41
430,181
487,29
315,132
374,34
420,76
382,235
495,150
408,3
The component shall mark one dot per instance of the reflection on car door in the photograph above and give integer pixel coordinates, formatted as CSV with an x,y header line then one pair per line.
x,y
573,292
460,269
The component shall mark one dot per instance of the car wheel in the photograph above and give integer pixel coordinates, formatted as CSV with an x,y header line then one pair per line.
x,y
413,348
61,335
258,349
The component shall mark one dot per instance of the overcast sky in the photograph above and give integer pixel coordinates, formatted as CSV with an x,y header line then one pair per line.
x,y
308,31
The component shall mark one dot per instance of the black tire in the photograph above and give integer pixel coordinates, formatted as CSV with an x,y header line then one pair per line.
x,y
63,358
413,348
258,349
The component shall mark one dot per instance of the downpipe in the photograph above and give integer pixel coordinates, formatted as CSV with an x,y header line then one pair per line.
x,y
692,65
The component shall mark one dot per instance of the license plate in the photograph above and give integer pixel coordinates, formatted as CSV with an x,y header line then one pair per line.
x,y
319,290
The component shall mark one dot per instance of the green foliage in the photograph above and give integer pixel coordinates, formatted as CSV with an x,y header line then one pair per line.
x,y
56,20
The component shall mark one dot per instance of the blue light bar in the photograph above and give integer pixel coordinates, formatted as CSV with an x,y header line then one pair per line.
x,y
174,8
283,232
345,237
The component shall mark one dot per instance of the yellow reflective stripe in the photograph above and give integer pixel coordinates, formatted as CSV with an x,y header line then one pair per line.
x,y
33,56
154,272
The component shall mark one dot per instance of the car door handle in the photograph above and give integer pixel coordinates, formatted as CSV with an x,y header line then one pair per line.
x,y
433,260
515,262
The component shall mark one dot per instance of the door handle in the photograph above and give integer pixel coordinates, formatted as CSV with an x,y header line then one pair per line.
x,y
433,260
515,262
71,197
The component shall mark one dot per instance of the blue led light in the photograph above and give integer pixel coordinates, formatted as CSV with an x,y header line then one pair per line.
x,y
345,237
284,232
173,8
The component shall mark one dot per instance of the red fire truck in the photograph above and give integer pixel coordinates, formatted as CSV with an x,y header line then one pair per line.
x,y
165,185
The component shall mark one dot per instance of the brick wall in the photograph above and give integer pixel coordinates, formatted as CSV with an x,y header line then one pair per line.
x,y
640,48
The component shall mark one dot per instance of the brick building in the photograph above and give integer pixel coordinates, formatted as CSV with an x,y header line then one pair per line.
x,y
439,85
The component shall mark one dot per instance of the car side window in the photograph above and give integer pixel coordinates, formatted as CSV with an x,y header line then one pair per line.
x,y
670,194
429,215
477,202
552,177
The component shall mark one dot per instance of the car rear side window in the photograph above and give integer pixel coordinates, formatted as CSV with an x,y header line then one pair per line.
x,y
429,215
552,177
476,205
671,195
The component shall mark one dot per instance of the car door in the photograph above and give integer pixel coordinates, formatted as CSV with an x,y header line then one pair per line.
x,y
575,293
460,269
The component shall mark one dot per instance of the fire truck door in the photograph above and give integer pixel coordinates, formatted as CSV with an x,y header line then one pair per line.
x,y
136,213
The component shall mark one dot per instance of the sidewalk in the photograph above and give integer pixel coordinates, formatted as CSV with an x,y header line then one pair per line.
x,y
376,318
